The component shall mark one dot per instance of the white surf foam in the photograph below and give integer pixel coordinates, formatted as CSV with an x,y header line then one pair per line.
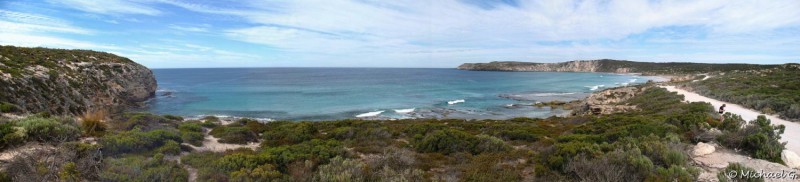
x,y
404,111
632,80
369,114
456,101
551,94
596,87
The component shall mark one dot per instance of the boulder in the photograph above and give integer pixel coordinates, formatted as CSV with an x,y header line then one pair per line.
x,y
791,159
702,149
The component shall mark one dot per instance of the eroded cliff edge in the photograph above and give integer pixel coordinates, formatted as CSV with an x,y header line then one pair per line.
x,y
610,66
70,82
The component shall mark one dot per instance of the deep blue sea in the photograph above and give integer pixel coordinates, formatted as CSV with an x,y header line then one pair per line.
x,y
341,93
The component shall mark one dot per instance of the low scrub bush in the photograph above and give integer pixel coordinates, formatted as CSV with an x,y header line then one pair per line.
x,y
234,134
49,129
760,139
139,168
6,107
138,141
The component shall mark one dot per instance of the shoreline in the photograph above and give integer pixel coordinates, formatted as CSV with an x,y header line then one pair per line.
x,y
791,135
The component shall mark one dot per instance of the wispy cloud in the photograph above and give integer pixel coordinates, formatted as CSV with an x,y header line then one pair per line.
x,y
12,21
440,33
110,7
203,28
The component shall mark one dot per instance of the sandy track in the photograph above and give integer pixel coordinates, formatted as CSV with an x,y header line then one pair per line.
x,y
791,135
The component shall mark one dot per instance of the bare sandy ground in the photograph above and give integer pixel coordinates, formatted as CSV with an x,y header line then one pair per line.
x,y
212,144
791,135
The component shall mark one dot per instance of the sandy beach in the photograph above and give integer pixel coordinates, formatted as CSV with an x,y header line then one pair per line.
x,y
791,134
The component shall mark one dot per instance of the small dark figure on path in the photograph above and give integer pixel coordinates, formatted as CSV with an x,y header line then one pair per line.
x,y
722,109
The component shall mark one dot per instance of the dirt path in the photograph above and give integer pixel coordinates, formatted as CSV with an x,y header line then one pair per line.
x,y
791,135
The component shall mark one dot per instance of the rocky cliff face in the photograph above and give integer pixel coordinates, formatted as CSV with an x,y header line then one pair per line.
x,y
70,81
571,66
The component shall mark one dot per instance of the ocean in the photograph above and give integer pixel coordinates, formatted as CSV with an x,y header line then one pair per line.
x,y
372,93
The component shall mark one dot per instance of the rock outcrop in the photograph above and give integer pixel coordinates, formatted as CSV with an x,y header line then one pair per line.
x,y
712,163
609,101
70,81
702,149
791,159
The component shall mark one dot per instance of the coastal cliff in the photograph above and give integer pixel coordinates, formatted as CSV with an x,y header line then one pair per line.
x,y
70,82
610,66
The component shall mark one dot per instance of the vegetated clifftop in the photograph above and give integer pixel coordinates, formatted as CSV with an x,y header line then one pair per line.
x,y
70,82
611,66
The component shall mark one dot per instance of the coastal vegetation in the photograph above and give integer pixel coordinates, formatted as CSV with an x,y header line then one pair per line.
x,y
650,144
772,91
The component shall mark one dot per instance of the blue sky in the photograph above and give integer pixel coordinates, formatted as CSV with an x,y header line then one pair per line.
x,y
406,33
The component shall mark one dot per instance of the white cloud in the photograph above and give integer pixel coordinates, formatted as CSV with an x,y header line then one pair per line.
x,y
110,7
449,22
12,21
28,40
190,28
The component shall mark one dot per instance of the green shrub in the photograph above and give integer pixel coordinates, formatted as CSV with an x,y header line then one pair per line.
x,y
614,166
518,134
488,167
70,172
341,169
170,147
731,122
173,117
49,129
286,133
137,140
487,143
760,139
192,132
446,141
234,134
138,168
6,107
145,121
10,135
676,173
315,150
264,172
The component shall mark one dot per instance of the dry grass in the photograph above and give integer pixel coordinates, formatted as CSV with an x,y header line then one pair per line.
x,y
93,122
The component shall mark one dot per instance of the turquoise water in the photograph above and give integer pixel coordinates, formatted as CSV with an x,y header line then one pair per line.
x,y
340,93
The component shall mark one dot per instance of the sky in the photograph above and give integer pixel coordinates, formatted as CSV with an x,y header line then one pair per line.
x,y
408,33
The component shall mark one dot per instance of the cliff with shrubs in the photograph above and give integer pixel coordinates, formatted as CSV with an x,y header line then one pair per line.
x,y
69,82
610,66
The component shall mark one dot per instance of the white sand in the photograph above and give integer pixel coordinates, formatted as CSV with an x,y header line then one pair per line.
x,y
212,144
791,135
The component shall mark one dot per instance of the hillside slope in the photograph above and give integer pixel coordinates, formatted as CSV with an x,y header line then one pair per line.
x,y
69,81
610,66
